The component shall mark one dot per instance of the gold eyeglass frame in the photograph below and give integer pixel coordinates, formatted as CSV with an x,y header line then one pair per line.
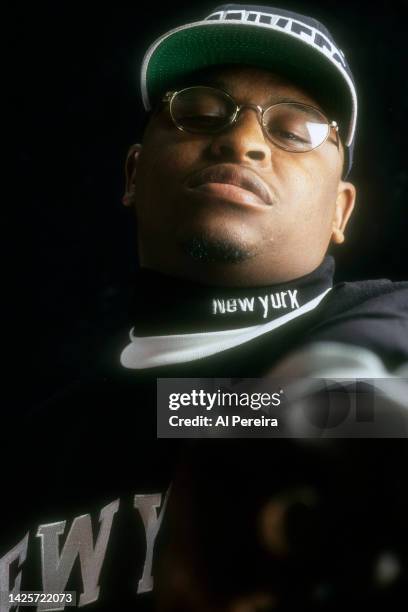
x,y
169,97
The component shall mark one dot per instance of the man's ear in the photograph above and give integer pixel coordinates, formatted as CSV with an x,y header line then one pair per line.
x,y
346,196
130,171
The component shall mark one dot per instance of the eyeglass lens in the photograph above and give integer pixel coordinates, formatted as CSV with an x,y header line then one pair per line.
x,y
292,126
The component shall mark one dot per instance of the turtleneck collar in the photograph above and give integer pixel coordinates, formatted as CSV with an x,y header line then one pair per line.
x,y
179,321
165,305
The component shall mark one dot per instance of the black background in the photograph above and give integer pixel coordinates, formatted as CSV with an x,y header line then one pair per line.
x,y
75,109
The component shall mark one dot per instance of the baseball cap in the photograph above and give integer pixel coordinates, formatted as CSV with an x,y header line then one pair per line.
x,y
294,45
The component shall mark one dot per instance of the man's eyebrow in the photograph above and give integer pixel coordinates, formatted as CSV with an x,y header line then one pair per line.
x,y
278,99
272,99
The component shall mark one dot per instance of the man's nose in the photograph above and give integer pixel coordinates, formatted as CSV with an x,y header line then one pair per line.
x,y
243,141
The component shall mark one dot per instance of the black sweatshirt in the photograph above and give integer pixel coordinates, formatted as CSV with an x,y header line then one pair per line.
x,y
84,477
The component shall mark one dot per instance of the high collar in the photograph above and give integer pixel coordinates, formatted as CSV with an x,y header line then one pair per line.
x,y
166,305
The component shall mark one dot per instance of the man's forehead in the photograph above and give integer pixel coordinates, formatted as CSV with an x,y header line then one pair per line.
x,y
246,79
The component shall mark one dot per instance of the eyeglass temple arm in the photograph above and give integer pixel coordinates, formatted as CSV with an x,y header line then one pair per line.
x,y
334,125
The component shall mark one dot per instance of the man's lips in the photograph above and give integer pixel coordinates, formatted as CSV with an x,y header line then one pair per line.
x,y
232,182
226,191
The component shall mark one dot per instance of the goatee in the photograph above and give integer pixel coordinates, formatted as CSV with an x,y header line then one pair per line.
x,y
209,250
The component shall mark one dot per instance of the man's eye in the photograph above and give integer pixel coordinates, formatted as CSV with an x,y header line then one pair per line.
x,y
202,119
203,115
286,135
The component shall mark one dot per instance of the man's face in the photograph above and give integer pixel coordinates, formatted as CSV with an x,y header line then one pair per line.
x,y
219,234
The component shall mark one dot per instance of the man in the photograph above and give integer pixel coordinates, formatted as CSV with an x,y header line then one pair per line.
x,y
238,189
248,205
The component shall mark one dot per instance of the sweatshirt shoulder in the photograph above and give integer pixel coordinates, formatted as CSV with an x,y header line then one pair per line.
x,y
368,294
372,314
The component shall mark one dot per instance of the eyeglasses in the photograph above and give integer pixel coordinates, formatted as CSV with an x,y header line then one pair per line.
x,y
291,126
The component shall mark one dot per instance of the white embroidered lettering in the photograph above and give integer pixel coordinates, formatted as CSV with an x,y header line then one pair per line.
x,y
231,305
246,304
218,306
275,300
264,302
293,299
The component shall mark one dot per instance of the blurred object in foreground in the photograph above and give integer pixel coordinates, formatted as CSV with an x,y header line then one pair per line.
x,y
305,525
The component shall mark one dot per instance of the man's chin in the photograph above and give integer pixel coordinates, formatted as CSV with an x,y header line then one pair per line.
x,y
217,251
